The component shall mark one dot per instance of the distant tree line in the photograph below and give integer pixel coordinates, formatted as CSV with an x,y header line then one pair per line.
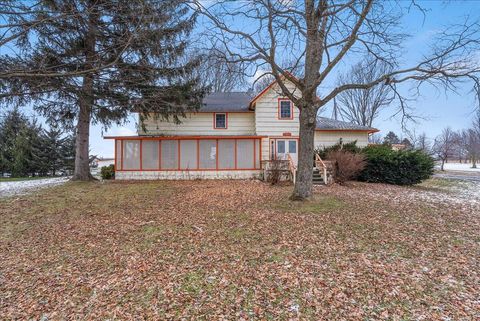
x,y
462,145
27,149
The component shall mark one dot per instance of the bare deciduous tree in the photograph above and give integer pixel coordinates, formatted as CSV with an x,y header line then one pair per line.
x,y
420,142
218,73
316,36
469,143
362,106
470,140
445,145
375,138
263,82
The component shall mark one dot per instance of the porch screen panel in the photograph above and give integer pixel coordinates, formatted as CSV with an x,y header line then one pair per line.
x,y
188,154
118,155
245,154
226,153
258,142
208,154
150,154
169,151
131,154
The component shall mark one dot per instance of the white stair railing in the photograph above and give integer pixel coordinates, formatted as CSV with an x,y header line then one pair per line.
x,y
320,165
292,168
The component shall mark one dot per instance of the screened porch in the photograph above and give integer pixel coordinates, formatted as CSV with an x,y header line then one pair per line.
x,y
187,153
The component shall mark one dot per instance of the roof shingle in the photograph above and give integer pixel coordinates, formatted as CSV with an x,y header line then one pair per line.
x,y
226,102
324,123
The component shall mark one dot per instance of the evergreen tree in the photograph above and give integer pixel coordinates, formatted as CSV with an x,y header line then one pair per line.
x,y
407,143
47,153
391,138
18,136
98,60
68,154
10,128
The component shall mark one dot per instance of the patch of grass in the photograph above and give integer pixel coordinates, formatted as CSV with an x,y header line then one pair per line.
x,y
318,204
193,283
439,184
323,204
277,256
152,231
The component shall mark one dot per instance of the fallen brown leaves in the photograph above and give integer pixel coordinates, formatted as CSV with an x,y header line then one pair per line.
x,y
221,250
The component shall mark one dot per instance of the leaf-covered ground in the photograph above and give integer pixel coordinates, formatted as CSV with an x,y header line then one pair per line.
x,y
223,250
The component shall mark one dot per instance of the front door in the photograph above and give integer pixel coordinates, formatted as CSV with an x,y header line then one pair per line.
x,y
286,147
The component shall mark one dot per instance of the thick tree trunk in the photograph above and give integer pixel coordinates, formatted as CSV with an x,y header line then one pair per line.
x,y
82,166
85,102
441,166
304,180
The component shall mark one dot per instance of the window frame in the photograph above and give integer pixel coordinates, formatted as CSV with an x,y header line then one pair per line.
x,y
215,120
279,115
290,141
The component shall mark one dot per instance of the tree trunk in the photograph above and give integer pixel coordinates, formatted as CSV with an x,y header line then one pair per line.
x,y
304,181
85,102
82,166
474,162
443,163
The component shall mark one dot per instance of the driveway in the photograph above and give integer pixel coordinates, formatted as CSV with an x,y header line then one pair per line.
x,y
28,186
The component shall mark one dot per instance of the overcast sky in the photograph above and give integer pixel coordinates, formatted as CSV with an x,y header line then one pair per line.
x,y
439,109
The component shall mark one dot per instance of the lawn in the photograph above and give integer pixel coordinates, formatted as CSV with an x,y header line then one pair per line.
x,y
212,250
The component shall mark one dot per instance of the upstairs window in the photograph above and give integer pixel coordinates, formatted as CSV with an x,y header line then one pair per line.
x,y
220,121
285,109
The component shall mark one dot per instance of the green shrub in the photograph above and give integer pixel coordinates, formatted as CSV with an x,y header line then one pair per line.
x,y
348,147
404,167
108,172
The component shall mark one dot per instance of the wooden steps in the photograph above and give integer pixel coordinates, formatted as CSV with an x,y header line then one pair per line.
x,y
317,177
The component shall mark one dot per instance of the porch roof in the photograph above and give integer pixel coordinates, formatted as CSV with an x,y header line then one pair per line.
x,y
151,137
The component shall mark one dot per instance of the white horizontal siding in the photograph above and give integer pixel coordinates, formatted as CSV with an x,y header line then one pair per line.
x,y
201,124
329,138
266,118
266,114
265,149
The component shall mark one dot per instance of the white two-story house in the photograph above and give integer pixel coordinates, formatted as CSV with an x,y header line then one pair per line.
x,y
228,137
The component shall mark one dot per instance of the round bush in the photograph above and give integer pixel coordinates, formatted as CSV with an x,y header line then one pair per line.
x,y
108,172
404,167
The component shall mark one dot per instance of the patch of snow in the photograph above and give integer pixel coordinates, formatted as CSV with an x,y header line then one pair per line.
x,y
294,308
28,186
460,192
459,167
465,193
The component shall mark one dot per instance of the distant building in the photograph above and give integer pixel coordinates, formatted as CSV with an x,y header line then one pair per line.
x,y
98,162
399,146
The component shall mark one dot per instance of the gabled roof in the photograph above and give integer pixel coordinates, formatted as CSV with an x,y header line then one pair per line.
x,y
266,89
328,124
226,102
